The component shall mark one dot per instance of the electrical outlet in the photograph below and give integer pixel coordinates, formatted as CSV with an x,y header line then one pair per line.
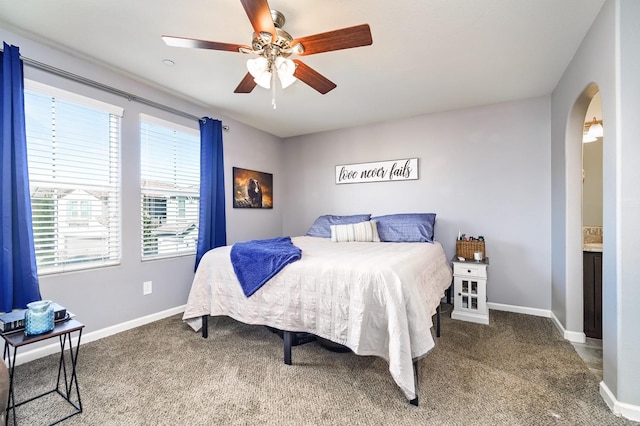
x,y
147,287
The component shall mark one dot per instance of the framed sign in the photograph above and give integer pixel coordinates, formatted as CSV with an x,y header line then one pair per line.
x,y
252,189
379,171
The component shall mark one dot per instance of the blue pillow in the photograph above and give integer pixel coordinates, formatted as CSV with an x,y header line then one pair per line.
x,y
322,226
406,227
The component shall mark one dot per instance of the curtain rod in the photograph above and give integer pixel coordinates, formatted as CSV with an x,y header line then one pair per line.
x,y
106,88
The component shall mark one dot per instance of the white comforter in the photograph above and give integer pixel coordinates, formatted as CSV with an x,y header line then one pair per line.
x,y
375,298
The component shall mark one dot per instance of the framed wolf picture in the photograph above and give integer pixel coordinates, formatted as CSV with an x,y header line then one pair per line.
x,y
252,189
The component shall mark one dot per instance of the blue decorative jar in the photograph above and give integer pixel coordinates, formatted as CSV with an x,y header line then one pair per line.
x,y
39,317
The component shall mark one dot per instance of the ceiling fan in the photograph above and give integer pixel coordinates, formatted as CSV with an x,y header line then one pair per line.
x,y
273,47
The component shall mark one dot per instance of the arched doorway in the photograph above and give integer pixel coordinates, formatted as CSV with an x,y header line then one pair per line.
x,y
574,236
592,237
574,295
592,223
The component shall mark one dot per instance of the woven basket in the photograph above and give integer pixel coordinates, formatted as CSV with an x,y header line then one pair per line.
x,y
467,248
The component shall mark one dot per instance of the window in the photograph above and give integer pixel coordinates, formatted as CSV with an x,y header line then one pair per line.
x,y
74,178
170,188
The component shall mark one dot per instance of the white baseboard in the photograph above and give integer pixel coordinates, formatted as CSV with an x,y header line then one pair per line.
x,y
572,336
519,309
43,351
628,411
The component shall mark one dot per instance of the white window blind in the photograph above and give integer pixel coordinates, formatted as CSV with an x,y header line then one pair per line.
x,y
74,178
170,188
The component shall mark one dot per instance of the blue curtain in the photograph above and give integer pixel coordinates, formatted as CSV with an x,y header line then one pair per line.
x,y
19,274
213,226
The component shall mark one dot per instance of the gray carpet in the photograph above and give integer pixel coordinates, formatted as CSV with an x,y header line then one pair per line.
x,y
515,371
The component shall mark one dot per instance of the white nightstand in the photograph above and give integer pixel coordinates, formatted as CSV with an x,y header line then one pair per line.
x,y
470,290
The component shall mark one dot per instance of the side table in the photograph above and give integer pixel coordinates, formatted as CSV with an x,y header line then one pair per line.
x,y
470,290
67,382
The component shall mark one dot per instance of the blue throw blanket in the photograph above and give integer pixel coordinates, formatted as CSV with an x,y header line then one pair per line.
x,y
256,262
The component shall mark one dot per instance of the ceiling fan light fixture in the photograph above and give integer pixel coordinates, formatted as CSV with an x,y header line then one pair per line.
x,y
264,80
285,68
257,66
259,70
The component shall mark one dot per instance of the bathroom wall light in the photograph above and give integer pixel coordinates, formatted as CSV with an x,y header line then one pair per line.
x,y
595,128
586,138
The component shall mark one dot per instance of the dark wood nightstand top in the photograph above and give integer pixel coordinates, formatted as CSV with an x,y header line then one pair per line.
x,y
18,338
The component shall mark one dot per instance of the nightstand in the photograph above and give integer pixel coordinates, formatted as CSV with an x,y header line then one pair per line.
x,y
470,290
67,382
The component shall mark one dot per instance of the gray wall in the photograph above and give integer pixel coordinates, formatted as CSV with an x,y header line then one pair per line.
x,y
628,362
608,57
111,296
483,171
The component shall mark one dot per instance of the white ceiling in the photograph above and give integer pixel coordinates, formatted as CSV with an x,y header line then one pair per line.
x,y
427,55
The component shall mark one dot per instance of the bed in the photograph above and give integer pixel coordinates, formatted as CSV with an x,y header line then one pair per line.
x,y
376,298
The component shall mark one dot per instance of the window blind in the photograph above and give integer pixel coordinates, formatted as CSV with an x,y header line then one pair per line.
x,y
170,188
74,178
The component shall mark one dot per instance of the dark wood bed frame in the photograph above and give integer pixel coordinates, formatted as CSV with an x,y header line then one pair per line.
x,y
292,338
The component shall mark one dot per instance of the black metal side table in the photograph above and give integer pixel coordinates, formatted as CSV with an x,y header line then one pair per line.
x,y
67,382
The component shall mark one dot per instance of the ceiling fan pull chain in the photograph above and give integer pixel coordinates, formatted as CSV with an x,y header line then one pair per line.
x,y
273,87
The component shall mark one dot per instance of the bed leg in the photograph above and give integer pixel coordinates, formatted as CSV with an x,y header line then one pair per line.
x,y
438,321
205,326
287,337
414,401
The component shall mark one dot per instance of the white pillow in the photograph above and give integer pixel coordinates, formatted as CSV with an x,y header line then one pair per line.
x,y
361,231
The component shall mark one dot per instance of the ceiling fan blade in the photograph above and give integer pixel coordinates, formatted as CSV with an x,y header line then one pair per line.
x,y
259,14
313,78
246,85
345,38
201,44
